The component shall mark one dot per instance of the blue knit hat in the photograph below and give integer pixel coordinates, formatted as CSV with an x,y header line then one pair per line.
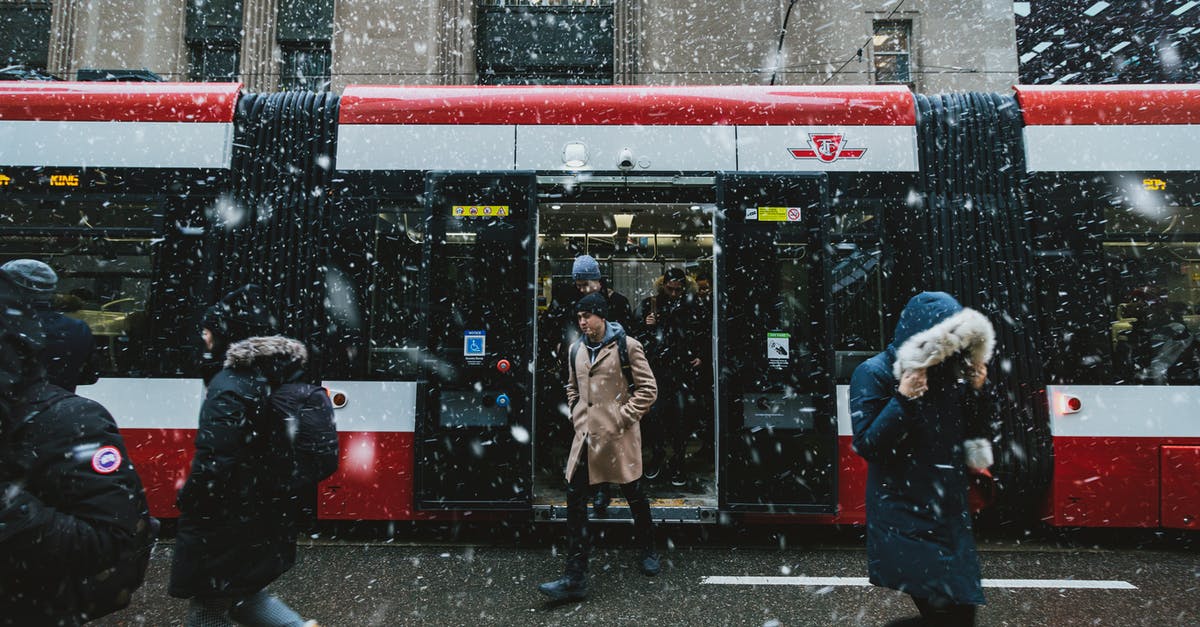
x,y
585,269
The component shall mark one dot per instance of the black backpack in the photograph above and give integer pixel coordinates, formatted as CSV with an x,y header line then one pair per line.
x,y
622,352
307,411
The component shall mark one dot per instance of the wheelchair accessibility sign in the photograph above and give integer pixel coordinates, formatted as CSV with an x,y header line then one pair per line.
x,y
474,346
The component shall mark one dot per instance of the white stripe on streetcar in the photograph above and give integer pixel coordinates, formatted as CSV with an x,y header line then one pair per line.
x,y
1054,584
116,144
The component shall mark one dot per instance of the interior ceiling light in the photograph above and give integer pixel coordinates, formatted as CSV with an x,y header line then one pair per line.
x,y
623,220
575,155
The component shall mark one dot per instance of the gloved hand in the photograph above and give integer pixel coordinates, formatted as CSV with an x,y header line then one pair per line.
x,y
979,454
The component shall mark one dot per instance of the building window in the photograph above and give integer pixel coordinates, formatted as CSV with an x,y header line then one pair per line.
x,y
25,34
305,30
214,39
547,42
212,62
305,66
892,51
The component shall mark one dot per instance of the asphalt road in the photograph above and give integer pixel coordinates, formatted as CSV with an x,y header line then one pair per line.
x,y
472,577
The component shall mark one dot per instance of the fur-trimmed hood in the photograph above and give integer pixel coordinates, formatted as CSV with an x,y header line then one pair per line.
x,y
689,286
266,353
933,327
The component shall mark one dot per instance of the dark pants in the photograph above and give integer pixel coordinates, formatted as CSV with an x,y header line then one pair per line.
x,y
671,422
944,614
577,520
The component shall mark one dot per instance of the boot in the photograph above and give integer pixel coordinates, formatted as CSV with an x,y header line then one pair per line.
x,y
565,588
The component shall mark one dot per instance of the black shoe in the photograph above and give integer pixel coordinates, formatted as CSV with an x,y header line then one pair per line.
x,y
677,479
650,563
600,503
565,588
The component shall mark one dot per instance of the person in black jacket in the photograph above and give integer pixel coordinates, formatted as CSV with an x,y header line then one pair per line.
x,y
670,332
69,348
71,503
236,527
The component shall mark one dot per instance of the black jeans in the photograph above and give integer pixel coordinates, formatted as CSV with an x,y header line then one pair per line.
x,y
578,491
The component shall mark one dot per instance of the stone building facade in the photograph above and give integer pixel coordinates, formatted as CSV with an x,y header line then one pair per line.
x,y
932,45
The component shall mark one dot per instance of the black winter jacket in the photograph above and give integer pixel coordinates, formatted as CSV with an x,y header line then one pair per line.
x,y
70,503
236,526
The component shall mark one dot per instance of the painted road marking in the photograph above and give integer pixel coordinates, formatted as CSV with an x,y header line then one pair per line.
x,y
1054,584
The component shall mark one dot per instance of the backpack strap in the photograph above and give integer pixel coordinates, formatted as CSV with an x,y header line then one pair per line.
x,y
574,353
623,353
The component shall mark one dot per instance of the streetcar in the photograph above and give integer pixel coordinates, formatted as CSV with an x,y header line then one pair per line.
x,y
420,238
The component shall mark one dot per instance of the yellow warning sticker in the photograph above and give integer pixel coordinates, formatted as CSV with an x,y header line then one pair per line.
x,y
779,214
480,211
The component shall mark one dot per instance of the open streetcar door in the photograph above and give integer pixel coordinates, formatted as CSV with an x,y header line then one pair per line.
x,y
473,433
776,399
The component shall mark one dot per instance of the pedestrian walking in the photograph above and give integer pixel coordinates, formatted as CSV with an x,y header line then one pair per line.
x,y
237,513
68,352
920,413
74,527
605,411
585,271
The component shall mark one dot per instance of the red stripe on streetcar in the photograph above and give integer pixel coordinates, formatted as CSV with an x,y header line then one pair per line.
x,y
1115,482
1109,105
118,102
652,106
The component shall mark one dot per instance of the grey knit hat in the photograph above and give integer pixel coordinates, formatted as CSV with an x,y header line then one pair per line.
x,y
585,269
32,275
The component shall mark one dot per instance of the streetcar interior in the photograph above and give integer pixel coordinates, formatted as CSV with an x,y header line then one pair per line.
x,y
101,249
635,244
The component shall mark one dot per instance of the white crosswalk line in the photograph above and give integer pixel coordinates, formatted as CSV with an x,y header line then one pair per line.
x,y
1054,584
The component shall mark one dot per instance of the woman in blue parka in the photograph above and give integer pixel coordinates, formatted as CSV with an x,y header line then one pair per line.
x,y
920,413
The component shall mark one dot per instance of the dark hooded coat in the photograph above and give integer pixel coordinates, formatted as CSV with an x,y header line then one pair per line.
x,y
236,526
71,505
919,537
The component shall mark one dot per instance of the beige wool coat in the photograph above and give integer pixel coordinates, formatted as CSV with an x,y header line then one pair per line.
x,y
606,415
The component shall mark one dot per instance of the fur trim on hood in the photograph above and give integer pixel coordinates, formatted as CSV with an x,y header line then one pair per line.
x,y
260,351
689,285
966,331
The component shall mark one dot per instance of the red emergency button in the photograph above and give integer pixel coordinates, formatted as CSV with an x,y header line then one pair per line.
x,y
503,365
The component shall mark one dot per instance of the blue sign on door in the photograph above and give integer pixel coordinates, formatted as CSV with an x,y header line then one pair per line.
x,y
474,345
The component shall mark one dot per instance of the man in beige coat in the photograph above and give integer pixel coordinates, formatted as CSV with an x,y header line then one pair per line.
x,y
605,410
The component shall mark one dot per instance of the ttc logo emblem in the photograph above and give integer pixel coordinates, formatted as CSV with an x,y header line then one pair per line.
x,y
827,148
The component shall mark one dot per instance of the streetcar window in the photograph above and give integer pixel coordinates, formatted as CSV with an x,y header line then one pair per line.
x,y
1153,263
102,251
856,297
394,338
855,284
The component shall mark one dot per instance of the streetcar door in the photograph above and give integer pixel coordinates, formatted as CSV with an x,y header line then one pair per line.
x,y
777,408
473,433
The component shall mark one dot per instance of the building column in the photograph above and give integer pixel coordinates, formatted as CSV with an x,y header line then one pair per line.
x,y
625,37
61,60
259,65
456,57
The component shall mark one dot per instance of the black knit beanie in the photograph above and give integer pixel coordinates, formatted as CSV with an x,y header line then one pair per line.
x,y
243,313
593,303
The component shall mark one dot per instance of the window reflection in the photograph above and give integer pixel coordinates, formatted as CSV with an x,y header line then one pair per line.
x,y
1153,262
